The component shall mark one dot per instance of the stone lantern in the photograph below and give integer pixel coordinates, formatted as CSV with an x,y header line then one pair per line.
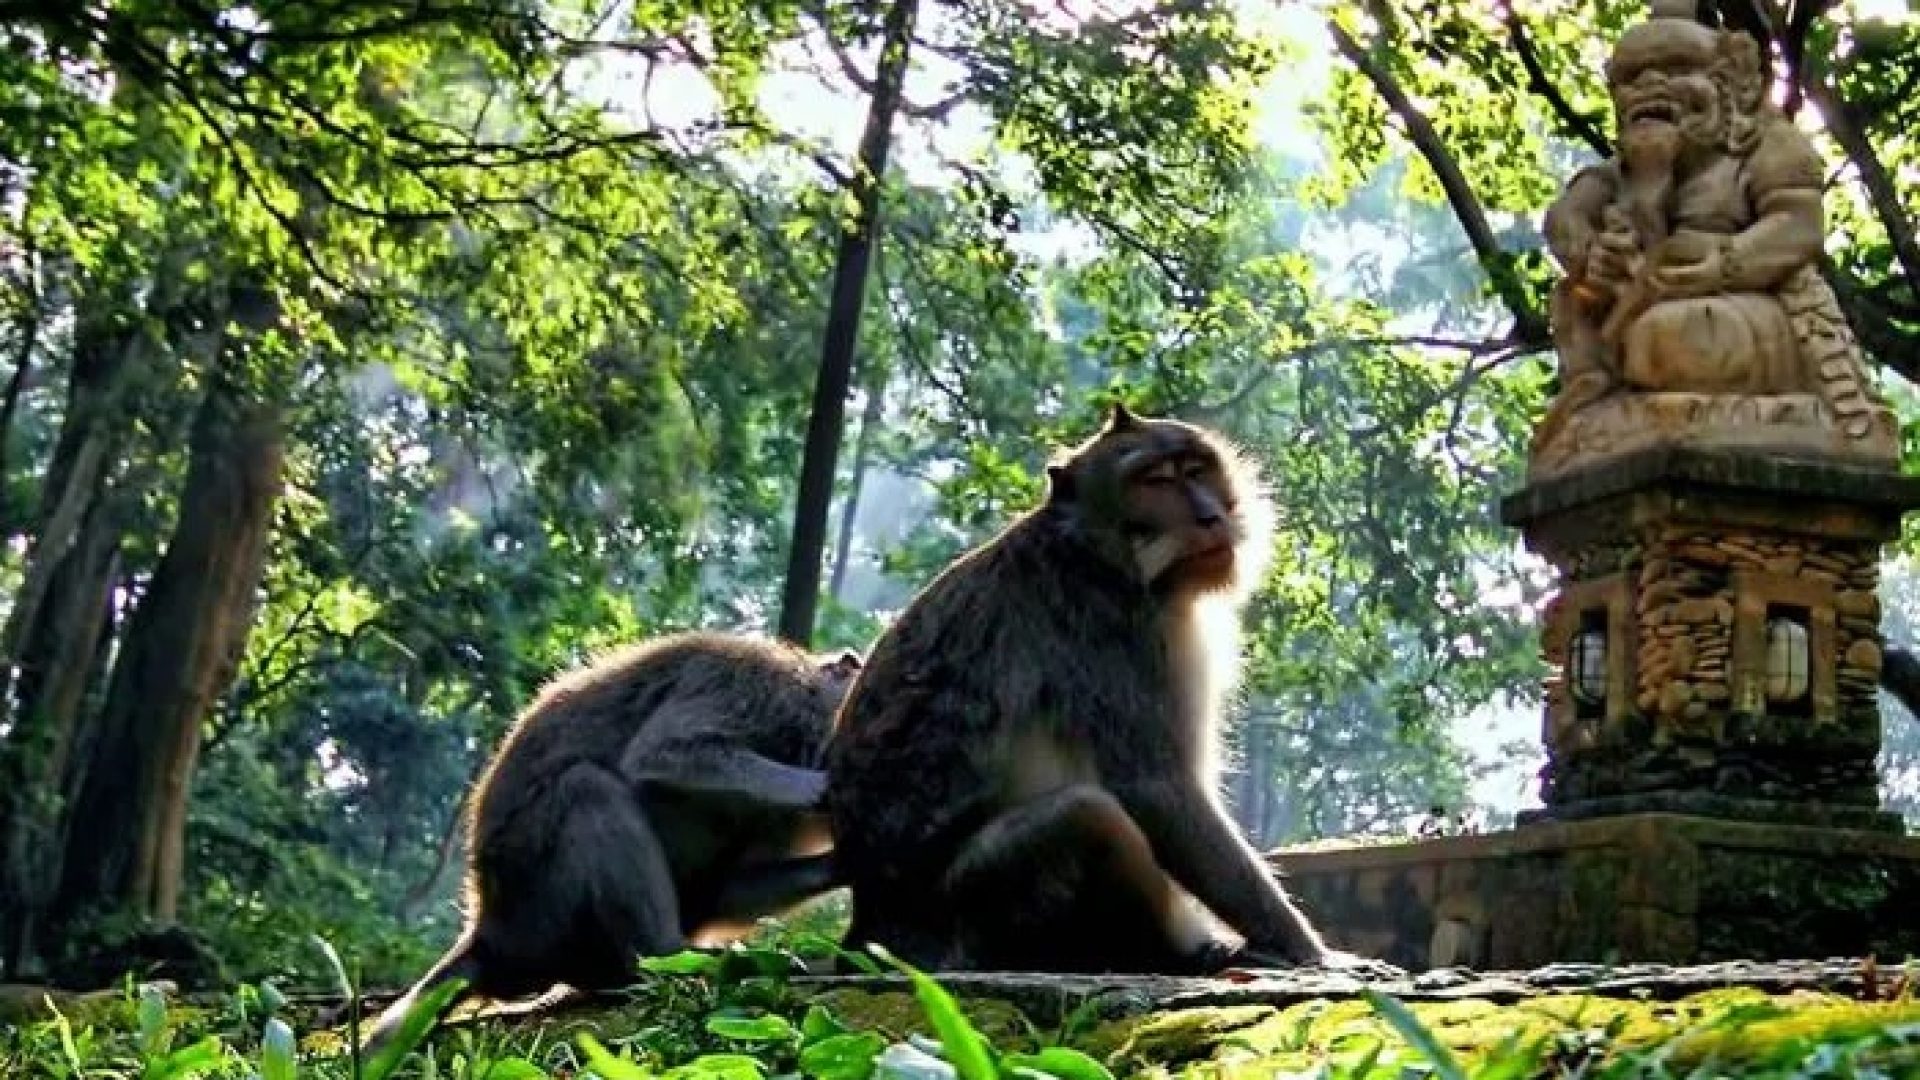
x,y
1717,475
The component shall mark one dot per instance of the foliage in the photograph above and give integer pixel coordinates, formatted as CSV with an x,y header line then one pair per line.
x,y
709,1016
549,280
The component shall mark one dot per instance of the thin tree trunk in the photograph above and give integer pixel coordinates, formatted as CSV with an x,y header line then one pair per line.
x,y
179,652
870,418
800,600
10,400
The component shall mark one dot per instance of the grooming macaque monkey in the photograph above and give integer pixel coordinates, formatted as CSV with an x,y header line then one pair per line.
x,y
1023,775
662,795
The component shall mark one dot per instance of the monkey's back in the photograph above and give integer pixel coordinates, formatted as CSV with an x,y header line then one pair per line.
x,y
1023,635
752,693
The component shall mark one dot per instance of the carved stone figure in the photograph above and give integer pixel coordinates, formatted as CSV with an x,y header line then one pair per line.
x,y
1693,310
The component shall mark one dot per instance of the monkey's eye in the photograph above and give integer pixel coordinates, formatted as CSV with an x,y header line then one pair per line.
x,y
1163,473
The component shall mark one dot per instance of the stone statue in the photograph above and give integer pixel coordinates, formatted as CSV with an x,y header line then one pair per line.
x,y
1692,310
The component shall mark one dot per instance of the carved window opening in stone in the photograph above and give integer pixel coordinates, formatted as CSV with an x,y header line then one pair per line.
x,y
1603,606
1587,672
1759,601
1789,660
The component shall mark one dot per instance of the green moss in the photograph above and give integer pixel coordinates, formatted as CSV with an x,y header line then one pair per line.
x,y
1735,1024
897,1013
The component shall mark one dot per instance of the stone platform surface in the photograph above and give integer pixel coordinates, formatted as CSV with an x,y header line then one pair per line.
x,y
1047,998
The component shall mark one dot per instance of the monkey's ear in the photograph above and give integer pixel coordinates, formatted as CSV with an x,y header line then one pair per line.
x,y
1060,486
1121,418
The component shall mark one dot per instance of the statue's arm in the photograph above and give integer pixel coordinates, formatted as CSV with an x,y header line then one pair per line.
x,y
1575,216
1784,181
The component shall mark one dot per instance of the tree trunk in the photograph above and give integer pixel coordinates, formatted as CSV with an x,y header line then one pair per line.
x,y
53,633
179,652
1900,676
801,598
870,419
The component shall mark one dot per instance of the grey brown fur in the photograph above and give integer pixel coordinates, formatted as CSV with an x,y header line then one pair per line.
x,y
663,792
1024,774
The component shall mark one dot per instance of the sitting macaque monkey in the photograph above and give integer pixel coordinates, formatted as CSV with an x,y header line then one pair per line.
x,y
1024,773
664,795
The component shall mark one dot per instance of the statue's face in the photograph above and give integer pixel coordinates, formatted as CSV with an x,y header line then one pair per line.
x,y
1670,91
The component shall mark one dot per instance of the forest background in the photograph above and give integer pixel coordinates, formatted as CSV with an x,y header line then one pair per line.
x,y
367,363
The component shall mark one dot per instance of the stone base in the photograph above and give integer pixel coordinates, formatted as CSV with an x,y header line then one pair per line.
x,y
1708,804
1642,888
1790,425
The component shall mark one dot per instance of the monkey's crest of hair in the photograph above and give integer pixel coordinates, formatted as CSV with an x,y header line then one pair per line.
x,y
1080,504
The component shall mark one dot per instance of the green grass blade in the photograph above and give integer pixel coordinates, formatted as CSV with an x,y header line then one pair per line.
x,y
414,1027
960,1042
1416,1034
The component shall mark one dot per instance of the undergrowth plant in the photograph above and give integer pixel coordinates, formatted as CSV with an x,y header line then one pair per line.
x,y
733,1014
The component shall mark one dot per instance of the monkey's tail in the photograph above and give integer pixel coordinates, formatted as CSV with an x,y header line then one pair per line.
x,y
462,961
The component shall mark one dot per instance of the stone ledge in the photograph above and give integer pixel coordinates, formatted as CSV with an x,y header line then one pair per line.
x,y
1729,471
1720,807
1642,888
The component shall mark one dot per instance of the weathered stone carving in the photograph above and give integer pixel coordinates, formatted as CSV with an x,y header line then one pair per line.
x,y
1692,311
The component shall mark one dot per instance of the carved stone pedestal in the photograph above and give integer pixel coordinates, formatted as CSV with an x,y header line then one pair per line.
x,y
1714,645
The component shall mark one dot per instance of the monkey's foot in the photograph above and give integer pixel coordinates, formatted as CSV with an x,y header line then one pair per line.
x,y
1334,960
1360,967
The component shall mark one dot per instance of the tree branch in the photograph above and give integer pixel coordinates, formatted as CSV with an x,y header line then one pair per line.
x,y
1900,676
1529,324
1882,192
1585,127
849,70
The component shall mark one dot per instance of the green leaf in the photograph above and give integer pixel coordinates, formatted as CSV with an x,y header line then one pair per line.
x,y
513,1068
751,1029
819,1024
960,1042
718,1067
277,1051
847,1056
152,1017
602,1063
189,1061
688,962
1063,1062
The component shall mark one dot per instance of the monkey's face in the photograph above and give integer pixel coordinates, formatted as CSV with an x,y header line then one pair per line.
x,y
1170,497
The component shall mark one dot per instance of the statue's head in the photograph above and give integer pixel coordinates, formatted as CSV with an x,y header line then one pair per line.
x,y
1679,83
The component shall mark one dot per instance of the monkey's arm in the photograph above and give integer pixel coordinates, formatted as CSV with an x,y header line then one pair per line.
x,y
758,889
1200,847
728,771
